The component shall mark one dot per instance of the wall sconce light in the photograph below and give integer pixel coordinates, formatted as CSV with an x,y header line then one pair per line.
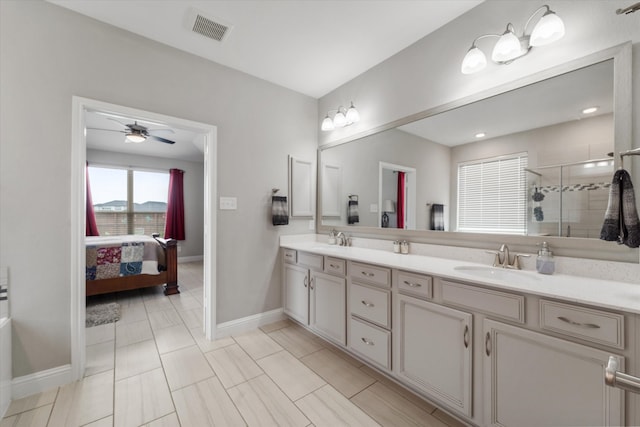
x,y
510,46
342,117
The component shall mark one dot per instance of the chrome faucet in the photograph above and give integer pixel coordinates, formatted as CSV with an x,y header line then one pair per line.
x,y
342,239
502,258
504,251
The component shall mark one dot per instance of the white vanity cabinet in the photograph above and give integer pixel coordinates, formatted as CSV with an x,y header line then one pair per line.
x,y
434,350
297,278
531,379
328,301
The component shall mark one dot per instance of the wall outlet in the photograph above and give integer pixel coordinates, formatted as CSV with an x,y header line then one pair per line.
x,y
228,203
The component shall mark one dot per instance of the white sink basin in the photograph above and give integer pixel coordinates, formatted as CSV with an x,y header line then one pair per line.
x,y
513,276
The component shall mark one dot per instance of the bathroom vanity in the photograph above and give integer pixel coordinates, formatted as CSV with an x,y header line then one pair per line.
x,y
491,346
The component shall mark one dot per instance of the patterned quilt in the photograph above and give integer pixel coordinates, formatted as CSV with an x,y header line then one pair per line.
x,y
117,256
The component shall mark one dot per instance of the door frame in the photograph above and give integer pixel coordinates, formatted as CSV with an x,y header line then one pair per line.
x,y
78,218
410,199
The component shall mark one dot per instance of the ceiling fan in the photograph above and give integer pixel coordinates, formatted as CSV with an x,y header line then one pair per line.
x,y
137,133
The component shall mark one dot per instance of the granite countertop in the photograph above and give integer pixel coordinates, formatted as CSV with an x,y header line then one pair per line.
x,y
601,293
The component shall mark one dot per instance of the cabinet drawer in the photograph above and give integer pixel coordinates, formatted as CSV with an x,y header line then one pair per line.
x,y
289,256
500,304
370,342
370,304
415,284
584,323
310,260
334,266
377,275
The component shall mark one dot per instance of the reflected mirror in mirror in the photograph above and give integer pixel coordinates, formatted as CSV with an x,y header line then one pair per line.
x,y
532,161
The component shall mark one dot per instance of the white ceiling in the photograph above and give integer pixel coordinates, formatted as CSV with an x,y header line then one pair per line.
x,y
311,47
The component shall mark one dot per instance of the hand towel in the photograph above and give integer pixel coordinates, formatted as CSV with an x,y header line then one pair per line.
x,y
621,222
352,212
279,210
437,217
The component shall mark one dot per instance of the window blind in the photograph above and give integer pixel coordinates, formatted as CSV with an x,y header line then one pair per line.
x,y
492,195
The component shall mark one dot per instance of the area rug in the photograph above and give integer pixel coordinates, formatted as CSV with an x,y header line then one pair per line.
x,y
100,314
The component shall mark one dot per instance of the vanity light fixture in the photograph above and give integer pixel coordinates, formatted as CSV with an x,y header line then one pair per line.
x,y
342,117
590,110
510,46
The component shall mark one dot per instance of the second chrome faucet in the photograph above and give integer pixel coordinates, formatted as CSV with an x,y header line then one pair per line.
x,y
502,258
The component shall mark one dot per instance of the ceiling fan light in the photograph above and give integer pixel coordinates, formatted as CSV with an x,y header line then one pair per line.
x,y
352,114
549,29
327,124
473,61
135,137
507,48
339,120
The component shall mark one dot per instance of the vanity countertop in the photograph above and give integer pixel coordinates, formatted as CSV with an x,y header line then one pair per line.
x,y
606,294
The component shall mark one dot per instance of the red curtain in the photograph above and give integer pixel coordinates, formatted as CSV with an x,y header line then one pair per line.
x,y
91,228
174,227
401,199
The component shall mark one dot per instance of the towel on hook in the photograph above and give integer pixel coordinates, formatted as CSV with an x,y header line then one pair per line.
x,y
352,212
621,222
279,211
437,217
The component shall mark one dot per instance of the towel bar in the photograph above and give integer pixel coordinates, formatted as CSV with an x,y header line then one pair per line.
x,y
613,378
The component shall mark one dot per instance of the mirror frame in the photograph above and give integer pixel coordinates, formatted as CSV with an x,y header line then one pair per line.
x,y
562,246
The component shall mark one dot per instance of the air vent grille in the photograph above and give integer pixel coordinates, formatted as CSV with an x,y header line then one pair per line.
x,y
208,28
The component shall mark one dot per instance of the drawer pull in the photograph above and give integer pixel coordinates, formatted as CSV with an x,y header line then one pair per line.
x,y
289,255
367,342
466,336
364,273
487,344
367,304
581,325
413,285
334,266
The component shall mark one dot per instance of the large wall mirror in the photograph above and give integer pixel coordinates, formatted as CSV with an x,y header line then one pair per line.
x,y
532,159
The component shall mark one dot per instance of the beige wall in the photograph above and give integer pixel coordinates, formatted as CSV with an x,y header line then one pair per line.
x,y
49,54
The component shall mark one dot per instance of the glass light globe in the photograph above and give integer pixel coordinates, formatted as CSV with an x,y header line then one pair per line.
x,y
507,48
339,120
549,29
473,61
352,114
327,124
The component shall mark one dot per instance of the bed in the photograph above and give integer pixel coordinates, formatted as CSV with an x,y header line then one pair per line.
x,y
121,263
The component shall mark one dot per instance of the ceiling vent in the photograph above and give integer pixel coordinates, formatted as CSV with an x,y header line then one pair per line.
x,y
213,28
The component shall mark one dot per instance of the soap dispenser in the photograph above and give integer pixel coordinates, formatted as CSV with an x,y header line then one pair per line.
x,y
545,263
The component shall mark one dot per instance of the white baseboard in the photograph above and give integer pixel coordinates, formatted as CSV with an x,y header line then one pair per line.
x,y
248,323
40,381
192,258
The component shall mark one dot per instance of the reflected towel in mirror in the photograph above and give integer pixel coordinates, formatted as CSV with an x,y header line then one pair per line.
x,y
279,210
437,217
352,212
621,219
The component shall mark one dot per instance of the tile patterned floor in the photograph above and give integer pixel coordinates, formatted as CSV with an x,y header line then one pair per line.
x,y
154,368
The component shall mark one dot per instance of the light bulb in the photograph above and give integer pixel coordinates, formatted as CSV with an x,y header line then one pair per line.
x,y
352,114
473,61
549,29
327,124
507,48
135,137
339,120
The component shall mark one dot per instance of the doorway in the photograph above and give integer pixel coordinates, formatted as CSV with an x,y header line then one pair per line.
x,y
395,199
78,216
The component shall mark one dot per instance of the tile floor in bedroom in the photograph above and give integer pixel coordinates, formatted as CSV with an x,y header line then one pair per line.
x,y
155,368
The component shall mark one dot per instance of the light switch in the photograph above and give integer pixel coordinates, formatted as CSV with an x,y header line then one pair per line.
x,y
312,224
373,207
228,203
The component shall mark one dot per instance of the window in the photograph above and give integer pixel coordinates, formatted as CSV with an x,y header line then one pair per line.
x,y
492,195
128,201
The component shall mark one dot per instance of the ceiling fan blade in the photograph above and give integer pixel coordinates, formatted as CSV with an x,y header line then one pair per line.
x,y
108,130
160,130
157,138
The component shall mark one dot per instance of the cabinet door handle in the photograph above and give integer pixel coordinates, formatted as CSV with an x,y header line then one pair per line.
x,y
364,273
367,304
580,325
305,281
466,336
367,342
413,285
311,284
487,344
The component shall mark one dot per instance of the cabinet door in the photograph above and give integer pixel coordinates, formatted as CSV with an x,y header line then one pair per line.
x,y
296,293
434,352
532,379
328,306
